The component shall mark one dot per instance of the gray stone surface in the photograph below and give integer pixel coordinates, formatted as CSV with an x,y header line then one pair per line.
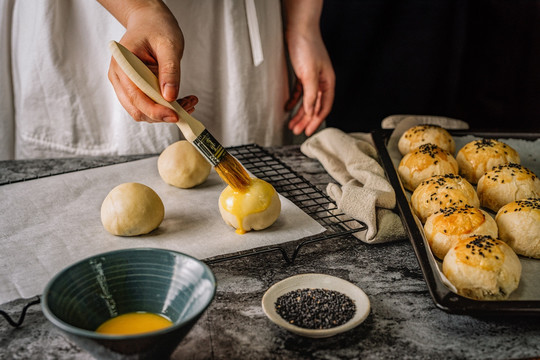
x,y
403,324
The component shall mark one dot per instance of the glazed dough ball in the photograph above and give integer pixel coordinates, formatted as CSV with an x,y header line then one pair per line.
x,y
442,191
181,165
506,183
426,161
479,156
444,228
519,226
426,134
482,268
256,208
131,209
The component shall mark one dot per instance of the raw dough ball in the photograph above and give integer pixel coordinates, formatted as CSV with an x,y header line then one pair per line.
x,y
482,268
426,134
181,165
426,161
131,209
506,183
256,208
442,191
479,156
447,226
519,226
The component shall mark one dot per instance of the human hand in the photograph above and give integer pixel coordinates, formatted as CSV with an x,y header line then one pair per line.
x,y
154,36
314,72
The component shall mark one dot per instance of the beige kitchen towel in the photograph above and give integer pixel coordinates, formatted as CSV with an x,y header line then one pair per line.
x,y
363,192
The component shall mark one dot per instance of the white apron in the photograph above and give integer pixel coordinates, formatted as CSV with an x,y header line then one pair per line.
x,y
57,100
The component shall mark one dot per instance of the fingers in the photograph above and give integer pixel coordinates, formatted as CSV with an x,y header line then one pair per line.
x,y
136,103
168,71
302,122
295,96
188,103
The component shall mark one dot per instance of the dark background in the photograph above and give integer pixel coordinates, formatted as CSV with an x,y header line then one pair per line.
x,y
476,60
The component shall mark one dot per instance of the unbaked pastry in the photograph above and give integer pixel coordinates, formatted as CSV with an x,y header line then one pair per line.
x,y
519,226
482,268
444,228
181,165
442,191
506,183
426,134
131,209
479,156
256,208
426,161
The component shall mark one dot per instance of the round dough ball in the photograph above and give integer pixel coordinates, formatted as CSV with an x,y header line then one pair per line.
x,y
256,208
426,134
181,165
506,183
482,268
519,226
479,156
131,209
444,228
426,161
442,191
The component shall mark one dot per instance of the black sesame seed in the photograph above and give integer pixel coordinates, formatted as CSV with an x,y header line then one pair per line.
x,y
315,308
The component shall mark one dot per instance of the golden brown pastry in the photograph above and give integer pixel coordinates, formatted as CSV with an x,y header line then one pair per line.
x,y
482,268
444,228
479,156
506,183
519,226
426,134
442,191
426,161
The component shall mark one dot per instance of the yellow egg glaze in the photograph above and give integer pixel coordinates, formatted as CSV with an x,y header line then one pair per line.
x,y
255,199
134,323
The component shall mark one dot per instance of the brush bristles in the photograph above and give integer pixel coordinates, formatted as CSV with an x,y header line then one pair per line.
x,y
233,173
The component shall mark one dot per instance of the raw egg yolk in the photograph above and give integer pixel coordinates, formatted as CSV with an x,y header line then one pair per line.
x,y
255,198
134,323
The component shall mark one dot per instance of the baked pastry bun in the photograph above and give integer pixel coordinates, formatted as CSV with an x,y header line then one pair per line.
x,y
447,226
482,268
426,134
442,191
479,156
424,162
519,226
256,208
506,183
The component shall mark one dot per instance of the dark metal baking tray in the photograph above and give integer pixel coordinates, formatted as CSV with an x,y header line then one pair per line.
x,y
443,297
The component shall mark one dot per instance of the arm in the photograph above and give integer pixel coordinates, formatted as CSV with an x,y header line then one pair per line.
x,y
153,34
311,64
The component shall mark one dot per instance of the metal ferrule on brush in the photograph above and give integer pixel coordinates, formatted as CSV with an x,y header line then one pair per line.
x,y
209,147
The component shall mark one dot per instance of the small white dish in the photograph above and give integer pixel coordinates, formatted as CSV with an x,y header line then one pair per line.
x,y
316,281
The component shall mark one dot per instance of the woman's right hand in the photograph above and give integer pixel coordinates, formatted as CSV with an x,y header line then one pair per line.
x,y
154,36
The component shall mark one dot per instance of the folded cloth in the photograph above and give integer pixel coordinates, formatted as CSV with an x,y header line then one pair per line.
x,y
365,194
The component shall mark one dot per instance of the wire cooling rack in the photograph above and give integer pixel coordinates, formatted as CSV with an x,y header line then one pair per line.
x,y
289,184
301,192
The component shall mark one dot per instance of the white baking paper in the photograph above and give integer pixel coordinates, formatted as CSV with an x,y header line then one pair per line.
x,y
50,223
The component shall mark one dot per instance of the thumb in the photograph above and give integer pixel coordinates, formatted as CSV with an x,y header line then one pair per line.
x,y
168,71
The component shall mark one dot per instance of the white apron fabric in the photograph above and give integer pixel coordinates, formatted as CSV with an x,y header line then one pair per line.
x,y
57,100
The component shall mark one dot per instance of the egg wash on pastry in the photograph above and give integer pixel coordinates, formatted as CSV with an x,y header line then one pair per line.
x,y
241,203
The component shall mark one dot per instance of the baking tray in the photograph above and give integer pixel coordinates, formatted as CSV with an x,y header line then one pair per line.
x,y
441,294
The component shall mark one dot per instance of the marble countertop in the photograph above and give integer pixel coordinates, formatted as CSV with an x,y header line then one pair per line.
x,y
404,323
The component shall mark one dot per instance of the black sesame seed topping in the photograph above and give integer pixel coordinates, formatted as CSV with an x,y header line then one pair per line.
x,y
315,308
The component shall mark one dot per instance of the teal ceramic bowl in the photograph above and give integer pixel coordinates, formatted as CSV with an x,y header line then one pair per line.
x,y
84,295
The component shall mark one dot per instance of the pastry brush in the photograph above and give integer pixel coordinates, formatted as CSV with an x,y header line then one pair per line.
x,y
227,167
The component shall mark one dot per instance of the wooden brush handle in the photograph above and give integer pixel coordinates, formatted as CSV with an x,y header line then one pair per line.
x,y
145,80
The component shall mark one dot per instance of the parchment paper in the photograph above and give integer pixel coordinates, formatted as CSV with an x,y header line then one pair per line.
x,y
50,223
528,150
